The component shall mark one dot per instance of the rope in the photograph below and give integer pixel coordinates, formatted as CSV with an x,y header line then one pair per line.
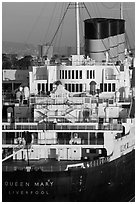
x,y
114,4
50,23
60,37
35,23
11,155
58,26
130,29
87,10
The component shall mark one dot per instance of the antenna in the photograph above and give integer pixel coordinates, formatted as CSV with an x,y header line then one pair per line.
x,y
78,35
121,11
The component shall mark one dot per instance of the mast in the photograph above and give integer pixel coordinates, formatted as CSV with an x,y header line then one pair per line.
x,y
78,35
121,11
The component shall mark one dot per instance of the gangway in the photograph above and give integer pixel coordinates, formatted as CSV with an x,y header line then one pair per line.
x,y
11,155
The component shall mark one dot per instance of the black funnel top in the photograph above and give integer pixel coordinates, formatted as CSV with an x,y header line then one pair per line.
x,y
112,24
100,28
96,28
120,26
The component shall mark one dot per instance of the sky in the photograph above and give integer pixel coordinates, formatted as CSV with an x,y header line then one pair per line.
x,y
37,22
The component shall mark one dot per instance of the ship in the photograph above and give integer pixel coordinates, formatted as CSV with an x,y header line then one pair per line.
x,y
69,135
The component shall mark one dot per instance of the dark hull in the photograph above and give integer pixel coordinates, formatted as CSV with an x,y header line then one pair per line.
x,y
113,182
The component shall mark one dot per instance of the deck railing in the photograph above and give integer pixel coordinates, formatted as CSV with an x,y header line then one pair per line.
x,y
63,167
44,100
66,126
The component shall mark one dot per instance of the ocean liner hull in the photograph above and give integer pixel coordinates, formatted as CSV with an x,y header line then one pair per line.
x,y
112,181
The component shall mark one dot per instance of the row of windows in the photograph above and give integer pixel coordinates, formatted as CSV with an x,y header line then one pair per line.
x,y
73,87
76,74
107,87
84,138
11,86
70,74
90,74
42,87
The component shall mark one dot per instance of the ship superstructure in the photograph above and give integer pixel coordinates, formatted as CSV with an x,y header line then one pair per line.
x,y
76,115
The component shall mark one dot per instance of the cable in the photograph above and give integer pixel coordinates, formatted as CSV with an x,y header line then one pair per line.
x,y
131,30
61,30
56,22
35,23
94,9
50,23
87,10
98,10
114,4
58,27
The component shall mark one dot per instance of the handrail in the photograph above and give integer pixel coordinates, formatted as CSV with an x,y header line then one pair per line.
x,y
65,126
53,168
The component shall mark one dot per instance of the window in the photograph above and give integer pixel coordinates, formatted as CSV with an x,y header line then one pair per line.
x,y
100,135
62,74
39,87
100,151
76,74
87,151
105,87
73,87
93,74
113,87
16,85
69,75
93,151
100,138
69,87
72,74
109,87
66,86
122,68
7,87
92,138
51,87
80,88
87,74
90,74
43,87
46,87
80,74
65,74
77,87
101,87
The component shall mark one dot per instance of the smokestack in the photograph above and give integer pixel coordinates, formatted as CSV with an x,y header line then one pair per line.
x,y
96,38
113,39
121,39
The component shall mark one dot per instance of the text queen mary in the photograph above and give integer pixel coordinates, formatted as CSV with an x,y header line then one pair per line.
x,y
27,184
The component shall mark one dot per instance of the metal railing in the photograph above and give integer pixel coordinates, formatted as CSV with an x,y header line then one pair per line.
x,y
46,100
55,168
67,126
